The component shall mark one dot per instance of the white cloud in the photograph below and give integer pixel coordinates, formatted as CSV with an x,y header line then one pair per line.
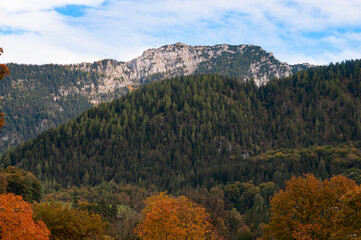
x,y
295,30
35,5
32,49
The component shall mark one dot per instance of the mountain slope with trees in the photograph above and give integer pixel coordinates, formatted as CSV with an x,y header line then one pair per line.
x,y
200,130
38,97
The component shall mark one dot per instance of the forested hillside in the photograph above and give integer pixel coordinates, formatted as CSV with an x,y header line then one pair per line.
x,y
202,130
36,98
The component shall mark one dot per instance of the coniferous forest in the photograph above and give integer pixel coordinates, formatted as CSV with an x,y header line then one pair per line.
x,y
224,143
201,130
37,97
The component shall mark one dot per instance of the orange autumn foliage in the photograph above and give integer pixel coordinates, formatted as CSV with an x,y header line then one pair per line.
x,y
168,217
4,70
312,209
16,220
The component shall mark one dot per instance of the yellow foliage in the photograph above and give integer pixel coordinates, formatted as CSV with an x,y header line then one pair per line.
x,y
67,223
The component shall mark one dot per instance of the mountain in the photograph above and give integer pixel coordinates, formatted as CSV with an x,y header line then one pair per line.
x,y
243,61
202,130
36,98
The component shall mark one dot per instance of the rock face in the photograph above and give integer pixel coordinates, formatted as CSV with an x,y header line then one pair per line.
x,y
242,61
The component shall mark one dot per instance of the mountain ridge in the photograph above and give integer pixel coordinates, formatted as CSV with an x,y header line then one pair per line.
x,y
180,59
38,97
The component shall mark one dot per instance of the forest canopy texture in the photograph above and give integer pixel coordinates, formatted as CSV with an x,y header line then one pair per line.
x,y
202,130
311,209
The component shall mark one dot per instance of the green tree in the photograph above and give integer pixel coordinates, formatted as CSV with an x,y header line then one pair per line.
x,y
20,182
4,71
67,223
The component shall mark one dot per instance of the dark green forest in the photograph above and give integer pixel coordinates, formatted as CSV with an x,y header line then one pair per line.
x,y
20,182
202,131
34,100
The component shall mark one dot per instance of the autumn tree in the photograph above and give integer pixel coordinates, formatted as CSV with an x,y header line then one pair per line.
x,y
16,220
4,71
168,217
67,223
308,208
348,218
20,182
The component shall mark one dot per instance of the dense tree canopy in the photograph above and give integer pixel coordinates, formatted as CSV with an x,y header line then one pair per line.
x,y
168,217
16,220
311,209
348,219
197,131
66,223
38,97
4,71
20,182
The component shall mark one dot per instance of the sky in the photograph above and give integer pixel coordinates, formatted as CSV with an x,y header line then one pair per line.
x,y
74,31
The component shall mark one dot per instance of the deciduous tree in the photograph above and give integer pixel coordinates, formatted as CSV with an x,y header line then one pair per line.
x,y
168,217
348,218
67,223
16,220
309,208
20,182
4,70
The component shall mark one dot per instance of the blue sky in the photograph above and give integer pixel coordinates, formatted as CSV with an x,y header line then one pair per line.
x,y
73,31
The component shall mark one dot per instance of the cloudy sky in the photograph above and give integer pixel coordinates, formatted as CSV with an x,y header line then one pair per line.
x,y
72,31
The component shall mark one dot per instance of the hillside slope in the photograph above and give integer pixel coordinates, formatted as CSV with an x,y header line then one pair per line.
x,y
197,129
36,98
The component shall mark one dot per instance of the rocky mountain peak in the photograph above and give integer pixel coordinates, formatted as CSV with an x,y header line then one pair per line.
x,y
242,61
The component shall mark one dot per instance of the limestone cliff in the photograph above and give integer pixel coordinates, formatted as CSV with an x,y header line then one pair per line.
x,y
242,61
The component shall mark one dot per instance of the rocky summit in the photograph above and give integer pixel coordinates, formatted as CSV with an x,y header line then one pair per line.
x,y
242,61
